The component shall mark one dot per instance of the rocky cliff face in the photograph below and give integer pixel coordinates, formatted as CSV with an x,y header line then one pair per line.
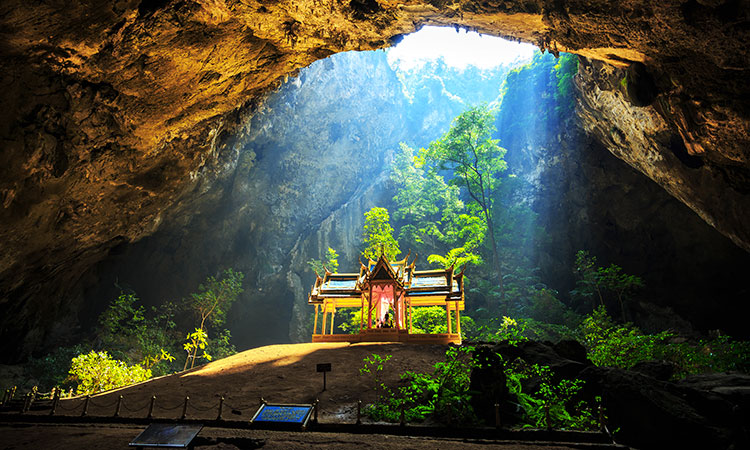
x,y
587,199
121,120
312,155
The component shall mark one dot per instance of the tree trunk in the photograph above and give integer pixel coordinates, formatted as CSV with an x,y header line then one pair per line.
x,y
495,259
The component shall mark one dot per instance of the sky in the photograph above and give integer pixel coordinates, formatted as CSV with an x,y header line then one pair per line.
x,y
459,49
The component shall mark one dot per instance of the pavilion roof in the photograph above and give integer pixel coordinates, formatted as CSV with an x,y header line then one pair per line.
x,y
423,288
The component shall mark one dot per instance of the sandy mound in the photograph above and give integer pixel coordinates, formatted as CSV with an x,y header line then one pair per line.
x,y
278,373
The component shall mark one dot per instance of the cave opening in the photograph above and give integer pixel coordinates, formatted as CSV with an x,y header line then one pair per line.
x,y
319,153
358,108
177,173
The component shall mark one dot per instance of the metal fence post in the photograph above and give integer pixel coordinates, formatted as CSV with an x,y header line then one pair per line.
x,y
26,402
55,400
221,406
86,406
117,408
184,408
151,408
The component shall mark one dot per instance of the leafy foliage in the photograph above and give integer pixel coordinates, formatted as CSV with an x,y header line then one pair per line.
x,y
565,69
616,345
132,335
52,369
220,346
436,215
98,371
476,161
510,330
150,361
210,306
551,404
214,298
378,236
444,394
373,366
330,262
468,234
196,341
430,320
603,283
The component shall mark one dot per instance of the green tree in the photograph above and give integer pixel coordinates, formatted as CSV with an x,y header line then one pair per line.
x,y
476,162
378,235
565,69
197,340
435,212
132,335
331,262
211,304
602,283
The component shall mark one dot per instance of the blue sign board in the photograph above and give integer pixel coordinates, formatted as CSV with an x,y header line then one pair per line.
x,y
277,413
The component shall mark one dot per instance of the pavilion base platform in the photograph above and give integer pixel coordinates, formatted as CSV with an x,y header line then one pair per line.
x,y
390,335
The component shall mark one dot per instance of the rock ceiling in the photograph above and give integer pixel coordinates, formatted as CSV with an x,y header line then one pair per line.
x,y
115,111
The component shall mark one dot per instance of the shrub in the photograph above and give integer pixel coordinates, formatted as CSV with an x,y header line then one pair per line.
x,y
444,394
429,320
614,345
132,335
624,345
552,403
331,262
97,371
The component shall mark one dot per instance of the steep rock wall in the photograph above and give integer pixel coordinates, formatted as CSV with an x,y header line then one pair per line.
x,y
587,199
309,159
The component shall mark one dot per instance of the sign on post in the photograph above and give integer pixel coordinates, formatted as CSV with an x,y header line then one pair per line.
x,y
324,367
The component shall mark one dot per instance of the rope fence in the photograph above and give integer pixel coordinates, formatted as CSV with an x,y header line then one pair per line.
x,y
170,408
81,405
201,409
133,410
105,405
72,408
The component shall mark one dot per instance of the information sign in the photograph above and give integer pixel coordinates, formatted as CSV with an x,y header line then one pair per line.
x,y
167,435
280,413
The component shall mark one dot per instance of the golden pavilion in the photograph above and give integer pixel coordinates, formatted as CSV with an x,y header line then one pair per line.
x,y
387,293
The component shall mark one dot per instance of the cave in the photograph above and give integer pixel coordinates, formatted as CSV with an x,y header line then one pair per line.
x,y
148,145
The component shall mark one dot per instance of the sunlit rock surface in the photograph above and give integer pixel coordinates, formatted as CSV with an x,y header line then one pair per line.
x,y
119,119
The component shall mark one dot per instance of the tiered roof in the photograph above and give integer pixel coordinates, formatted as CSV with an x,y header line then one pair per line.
x,y
423,288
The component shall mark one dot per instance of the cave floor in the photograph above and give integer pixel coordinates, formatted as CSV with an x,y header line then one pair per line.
x,y
278,373
21,436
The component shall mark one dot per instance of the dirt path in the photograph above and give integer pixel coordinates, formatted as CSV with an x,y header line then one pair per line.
x,y
91,436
